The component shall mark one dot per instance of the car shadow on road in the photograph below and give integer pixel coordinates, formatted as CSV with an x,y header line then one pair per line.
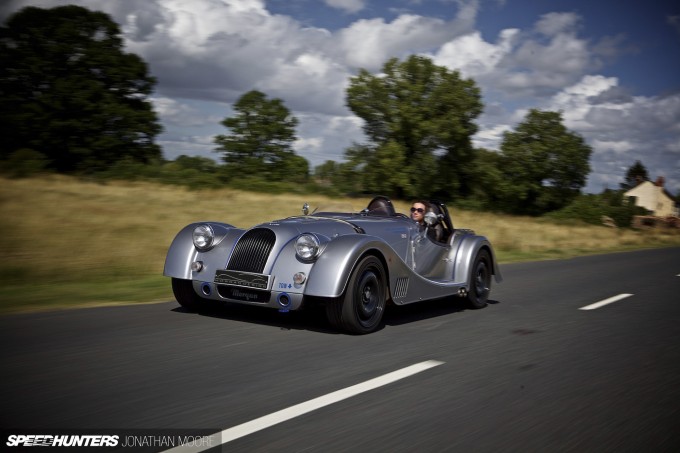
x,y
397,315
314,319
311,319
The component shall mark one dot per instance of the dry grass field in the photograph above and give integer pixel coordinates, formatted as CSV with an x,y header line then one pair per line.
x,y
66,242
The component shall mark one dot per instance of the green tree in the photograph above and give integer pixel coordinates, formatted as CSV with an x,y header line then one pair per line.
x,y
592,208
261,137
386,174
343,177
486,177
636,174
421,115
23,162
544,164
325,172
294,169
70,92
198,163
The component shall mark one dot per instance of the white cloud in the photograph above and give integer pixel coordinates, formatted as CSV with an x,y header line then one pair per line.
x,y
308,144
216,50
553,24
472,55
537,68
368,43
574,101
532,63
619,147
173,112
623,130
674,146
189,145
349,6
674,21
490,138
310,82
325,137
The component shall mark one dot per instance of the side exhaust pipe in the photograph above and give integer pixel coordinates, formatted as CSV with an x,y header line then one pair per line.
x,y
462,292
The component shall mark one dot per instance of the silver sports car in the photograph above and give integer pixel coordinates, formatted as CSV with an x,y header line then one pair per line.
x,y
353,263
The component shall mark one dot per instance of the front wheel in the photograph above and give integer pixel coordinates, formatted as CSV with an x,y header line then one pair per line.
x,y
361,308
480,285
185,294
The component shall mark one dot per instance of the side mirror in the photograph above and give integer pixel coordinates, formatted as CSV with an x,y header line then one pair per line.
x,y
431,218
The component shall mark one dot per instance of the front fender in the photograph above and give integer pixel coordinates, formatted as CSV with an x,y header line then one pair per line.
x,y
182,251
330,273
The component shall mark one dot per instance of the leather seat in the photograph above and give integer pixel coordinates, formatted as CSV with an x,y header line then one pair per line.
x,y
381,206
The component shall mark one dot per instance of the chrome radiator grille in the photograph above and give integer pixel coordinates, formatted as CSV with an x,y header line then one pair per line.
x,y
252,250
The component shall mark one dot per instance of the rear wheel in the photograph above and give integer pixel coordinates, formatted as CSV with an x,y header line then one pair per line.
x,y
480,286
185,294
361,308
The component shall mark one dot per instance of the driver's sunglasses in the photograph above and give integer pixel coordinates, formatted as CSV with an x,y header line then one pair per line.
x,y
420,210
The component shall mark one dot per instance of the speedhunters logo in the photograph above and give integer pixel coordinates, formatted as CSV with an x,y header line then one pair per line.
x,y
107,440
46,440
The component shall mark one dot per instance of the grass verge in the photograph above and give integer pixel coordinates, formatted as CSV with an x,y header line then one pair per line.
x,y
67,242
22,297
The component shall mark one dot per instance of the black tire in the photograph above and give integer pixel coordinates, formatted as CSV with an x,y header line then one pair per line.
x,y
480,283
361,308
185,294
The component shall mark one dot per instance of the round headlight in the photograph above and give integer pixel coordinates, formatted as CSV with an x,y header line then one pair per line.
x,y
307,246
203,237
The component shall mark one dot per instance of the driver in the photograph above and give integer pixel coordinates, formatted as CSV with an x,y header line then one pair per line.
x,y
418,210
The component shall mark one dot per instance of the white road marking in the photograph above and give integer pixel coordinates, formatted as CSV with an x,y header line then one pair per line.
x,y
602,303
283,415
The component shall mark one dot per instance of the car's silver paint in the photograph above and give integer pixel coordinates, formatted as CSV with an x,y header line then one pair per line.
x,y
182,251
417,268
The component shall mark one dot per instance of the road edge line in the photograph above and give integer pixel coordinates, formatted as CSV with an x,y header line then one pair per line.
x,y
602,303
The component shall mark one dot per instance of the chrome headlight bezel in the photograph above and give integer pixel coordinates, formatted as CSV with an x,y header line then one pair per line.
x,y
203,237
307,247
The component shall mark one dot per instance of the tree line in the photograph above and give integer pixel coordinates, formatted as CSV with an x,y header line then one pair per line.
x,y
74,101
70,94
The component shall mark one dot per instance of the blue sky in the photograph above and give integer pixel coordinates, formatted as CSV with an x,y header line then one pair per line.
x,y
611,67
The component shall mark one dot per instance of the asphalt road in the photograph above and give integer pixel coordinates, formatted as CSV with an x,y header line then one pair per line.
x,y
530,372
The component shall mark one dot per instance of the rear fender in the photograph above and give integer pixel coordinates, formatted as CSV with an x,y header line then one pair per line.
x,y
467,252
